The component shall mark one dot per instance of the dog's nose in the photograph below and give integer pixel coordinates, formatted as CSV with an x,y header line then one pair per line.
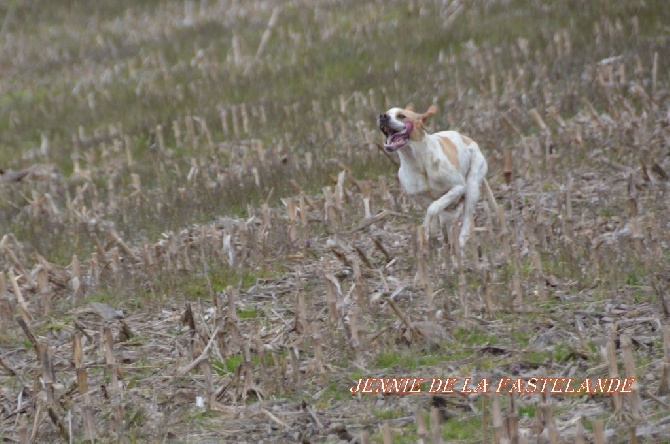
x,y
383,117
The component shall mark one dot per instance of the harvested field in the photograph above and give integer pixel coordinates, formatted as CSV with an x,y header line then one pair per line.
x,y
202,239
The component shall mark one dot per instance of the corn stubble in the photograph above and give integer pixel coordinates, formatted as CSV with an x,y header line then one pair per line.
x,y
113,329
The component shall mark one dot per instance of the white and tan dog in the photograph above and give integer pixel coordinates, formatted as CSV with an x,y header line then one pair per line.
x,y
443,168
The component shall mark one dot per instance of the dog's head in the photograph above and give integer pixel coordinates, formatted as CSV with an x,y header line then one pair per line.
x,y
402,125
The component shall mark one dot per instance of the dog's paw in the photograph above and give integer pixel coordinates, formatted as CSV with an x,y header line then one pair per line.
x,y
430,228
462,240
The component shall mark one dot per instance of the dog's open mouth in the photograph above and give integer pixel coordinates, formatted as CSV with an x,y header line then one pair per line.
x,y
396,139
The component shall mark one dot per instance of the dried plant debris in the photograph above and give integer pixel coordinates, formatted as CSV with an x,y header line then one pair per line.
x,y
206,244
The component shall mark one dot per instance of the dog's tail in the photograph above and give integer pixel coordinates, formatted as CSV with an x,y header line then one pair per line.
x,y
496,210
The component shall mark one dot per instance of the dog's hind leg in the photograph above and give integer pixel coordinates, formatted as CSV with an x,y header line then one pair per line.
x,y
473,182
490,198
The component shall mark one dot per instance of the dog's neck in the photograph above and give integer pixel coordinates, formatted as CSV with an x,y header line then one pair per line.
x,y
414,154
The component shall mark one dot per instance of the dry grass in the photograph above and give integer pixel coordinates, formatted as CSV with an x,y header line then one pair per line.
x,y
204,243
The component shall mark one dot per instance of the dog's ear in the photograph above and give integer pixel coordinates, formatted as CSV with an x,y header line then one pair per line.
x,y
429,112
409,106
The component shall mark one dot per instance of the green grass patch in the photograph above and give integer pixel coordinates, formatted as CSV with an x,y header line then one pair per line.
x,y
471,337
527,410
334,391
466,429
229,365
248,313
538,356
387,413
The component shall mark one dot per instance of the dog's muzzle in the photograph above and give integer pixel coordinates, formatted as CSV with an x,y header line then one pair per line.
x,y
395,138
384,125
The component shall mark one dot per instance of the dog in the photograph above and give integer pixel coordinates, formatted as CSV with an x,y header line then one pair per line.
x,y
445,168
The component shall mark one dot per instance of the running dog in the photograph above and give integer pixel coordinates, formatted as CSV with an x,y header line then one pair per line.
x,y
443,168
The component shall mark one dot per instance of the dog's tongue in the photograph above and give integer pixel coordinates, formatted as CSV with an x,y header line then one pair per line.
x,y
400,134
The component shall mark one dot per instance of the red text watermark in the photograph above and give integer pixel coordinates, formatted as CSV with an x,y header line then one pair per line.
x,y
519,386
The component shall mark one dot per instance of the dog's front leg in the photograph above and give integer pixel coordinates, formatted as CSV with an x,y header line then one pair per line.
x,y
435,208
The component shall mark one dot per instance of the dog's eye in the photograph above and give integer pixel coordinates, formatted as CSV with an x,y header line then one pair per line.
x,y
400,116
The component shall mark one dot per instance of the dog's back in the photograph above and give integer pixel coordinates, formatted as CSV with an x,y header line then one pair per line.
x,y
459,150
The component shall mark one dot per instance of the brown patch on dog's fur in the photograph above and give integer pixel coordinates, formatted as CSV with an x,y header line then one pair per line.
x,y
468,141
418,120
450,150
